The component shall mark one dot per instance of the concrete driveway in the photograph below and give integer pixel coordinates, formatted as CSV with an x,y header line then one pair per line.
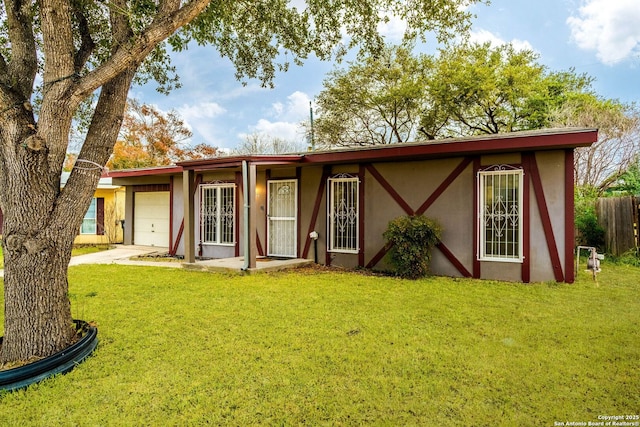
x,y
121,254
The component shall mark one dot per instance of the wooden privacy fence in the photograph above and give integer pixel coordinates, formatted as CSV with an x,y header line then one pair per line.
x,y
619,218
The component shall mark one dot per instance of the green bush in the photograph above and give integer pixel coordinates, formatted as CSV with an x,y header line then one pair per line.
x,y
589,232
411,239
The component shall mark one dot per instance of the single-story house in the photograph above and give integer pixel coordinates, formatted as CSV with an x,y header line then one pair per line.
x,y
505,202
102,223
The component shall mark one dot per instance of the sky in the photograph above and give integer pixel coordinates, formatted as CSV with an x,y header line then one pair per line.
x,y
598,37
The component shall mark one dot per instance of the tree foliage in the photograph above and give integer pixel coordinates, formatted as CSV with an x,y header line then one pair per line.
x,y
603,163
80,49
259,143
467,89
377,100
479,89
149,137
629,182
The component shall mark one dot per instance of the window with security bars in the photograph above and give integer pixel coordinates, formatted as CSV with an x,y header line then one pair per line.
x,y
217,214
500,205
343,214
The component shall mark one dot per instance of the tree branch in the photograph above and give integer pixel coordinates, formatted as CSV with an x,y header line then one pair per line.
x,y
22,68
57,42
133,53
87,45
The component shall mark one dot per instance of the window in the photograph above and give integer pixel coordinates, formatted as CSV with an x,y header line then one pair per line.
x,y
90,220
217,214
343,214
500,207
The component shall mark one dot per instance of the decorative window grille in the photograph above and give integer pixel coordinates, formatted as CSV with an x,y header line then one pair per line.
x,y
500,213
90,220
217,213
343,214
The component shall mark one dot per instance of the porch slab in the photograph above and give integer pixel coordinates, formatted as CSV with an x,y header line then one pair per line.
x,y
263,264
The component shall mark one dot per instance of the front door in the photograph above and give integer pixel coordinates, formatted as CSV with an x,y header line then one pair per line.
x,y
282,221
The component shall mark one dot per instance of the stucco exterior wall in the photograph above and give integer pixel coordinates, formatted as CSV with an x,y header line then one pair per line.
x,y
551,168
392,189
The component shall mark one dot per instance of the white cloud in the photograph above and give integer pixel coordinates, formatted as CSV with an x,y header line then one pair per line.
x,y
287,131
393,30
484,36
610,27
295,109
198,118
203,110
283,119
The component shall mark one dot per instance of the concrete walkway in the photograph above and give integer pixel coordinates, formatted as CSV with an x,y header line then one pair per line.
x,y
122,254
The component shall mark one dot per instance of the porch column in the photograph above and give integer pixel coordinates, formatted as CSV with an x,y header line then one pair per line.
x,y
189,229
128,216
250,229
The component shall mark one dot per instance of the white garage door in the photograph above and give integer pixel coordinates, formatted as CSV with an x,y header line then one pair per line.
x,y
151,219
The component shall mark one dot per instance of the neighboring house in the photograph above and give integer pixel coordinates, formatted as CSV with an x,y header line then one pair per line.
x,y
103,221
505,203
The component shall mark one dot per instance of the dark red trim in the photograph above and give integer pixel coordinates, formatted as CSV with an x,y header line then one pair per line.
x,y
100,216
148,188
258,244
174,248
299,210
326,172
476,249
526,218
432,198
236,161
569,219
130,173
487,144
389,189
265,217
377,257
444,185
546,220
171,214
453,260
361,212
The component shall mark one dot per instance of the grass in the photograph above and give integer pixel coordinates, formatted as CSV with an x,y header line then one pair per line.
x,y
77,250
318,347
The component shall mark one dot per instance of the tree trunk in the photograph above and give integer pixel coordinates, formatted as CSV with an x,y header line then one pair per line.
x,y
37,310
41,220
36,247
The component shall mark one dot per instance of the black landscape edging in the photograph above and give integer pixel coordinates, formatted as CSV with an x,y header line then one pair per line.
x,y
59,363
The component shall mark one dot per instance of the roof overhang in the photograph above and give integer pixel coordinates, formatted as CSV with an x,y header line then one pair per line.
x,y
236,161
548,139
513,142
132,173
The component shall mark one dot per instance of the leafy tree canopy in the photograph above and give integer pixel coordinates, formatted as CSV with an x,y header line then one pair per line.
x,y
467,89
376,100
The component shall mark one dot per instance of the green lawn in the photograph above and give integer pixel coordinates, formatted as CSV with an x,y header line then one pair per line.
x,y
79,250
313,347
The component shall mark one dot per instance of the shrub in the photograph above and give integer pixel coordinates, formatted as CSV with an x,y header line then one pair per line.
x,y
589,232
411,239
